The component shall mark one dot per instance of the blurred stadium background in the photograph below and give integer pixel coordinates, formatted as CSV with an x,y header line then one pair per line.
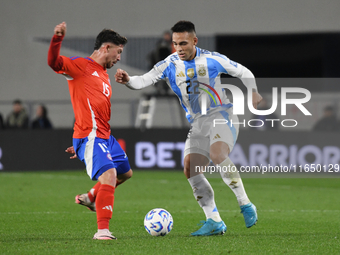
x,y
282,39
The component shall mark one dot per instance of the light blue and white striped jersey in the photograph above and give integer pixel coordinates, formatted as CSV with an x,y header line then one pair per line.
x,y
190,80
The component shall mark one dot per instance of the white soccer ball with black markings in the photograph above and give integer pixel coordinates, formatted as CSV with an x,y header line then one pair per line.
x,y
158,222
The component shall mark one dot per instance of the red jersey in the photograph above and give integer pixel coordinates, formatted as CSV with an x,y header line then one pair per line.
x,y
90,91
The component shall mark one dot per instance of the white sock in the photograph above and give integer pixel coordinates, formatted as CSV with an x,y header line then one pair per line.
x,y
204,195
104,230
234,181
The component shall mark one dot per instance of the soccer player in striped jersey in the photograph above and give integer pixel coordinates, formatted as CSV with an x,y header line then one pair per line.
x,y
90,92
191,73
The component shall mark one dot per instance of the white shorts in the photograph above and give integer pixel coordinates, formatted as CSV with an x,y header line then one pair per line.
x,y
211,128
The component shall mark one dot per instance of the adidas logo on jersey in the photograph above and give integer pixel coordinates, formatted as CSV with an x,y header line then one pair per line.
x,y
108,207
95,74
180,74
216,137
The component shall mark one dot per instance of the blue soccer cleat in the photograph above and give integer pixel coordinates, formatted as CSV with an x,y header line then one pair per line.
x,y
249,214
211,227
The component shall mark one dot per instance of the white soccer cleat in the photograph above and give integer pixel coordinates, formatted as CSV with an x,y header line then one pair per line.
x,y
83,199
103,234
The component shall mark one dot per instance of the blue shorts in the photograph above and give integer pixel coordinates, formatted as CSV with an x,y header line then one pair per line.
x,y
100,155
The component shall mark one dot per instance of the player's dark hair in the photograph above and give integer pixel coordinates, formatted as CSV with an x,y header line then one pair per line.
x,y
17,101
108,35
329,108
183,26
44,111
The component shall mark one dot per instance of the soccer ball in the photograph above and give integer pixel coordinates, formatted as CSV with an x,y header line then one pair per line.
x,y
158,222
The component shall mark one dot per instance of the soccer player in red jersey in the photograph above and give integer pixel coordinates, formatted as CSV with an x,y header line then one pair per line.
x,y
90,92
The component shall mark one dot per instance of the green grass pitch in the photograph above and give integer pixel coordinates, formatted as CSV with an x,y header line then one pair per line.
x,y
38,216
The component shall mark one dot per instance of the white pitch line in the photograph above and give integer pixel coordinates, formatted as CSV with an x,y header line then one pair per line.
x,y
47,176
188,211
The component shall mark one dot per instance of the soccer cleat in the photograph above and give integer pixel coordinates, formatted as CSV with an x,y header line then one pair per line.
x,y
104,234
211,227
249,214
83,199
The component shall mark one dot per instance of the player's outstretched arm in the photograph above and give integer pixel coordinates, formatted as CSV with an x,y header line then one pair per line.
x,y
54,60
138,82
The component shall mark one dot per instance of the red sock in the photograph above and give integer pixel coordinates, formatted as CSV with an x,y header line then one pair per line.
x,y
93,192
104,205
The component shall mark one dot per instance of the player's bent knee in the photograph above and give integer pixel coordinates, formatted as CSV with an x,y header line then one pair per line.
x,y
219,152
217,158
109,177
130,173
127,175
124,177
